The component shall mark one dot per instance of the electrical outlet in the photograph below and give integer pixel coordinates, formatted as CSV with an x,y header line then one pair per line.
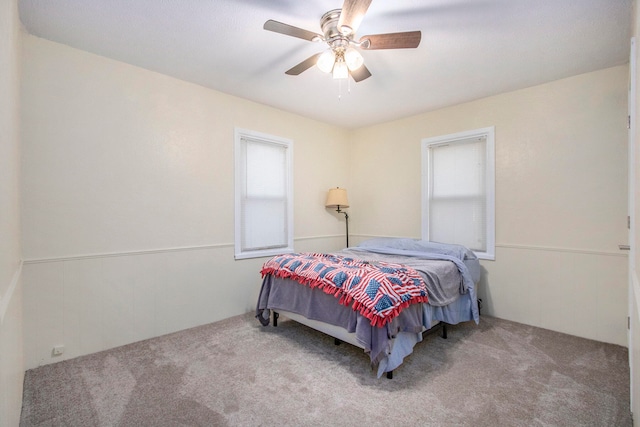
x,y
58,350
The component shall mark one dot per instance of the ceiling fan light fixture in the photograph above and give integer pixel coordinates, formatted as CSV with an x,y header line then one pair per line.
x,y
326,60
339,27
353,59
340,69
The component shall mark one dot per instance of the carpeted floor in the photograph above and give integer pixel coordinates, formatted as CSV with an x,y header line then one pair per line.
x,y
238,373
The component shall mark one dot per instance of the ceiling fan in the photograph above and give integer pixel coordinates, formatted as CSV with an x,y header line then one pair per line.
x,y
339,26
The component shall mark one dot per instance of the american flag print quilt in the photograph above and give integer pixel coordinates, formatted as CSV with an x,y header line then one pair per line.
x,y
377,290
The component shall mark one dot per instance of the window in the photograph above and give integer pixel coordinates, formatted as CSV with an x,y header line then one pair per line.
x,y
263,195
458,187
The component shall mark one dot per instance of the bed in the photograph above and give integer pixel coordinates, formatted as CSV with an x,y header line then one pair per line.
x,y
417,285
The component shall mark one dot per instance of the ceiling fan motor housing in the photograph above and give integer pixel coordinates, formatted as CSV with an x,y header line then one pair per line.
x,y
334,38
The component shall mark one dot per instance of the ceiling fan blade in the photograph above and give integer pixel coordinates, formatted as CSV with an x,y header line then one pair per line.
x,y
303,66
361,73
406,40
351,16
290,30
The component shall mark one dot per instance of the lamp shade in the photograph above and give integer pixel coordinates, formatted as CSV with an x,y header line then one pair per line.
x,y
325,60
340,70
353,59
337,197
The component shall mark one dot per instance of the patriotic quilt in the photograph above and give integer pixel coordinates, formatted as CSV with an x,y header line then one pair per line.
x,y
378,290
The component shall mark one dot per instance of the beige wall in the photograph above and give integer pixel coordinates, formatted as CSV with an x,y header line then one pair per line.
x,y
561,198
128,200
634,291
9,144
11,355
119,159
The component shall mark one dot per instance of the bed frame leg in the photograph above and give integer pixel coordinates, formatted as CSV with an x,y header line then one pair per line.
x,y
336,341
390,375
444,330
275,318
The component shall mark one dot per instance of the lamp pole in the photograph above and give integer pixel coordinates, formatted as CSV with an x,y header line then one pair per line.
x,y
346,219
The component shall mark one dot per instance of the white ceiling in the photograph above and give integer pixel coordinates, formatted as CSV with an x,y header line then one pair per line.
x,y
470,48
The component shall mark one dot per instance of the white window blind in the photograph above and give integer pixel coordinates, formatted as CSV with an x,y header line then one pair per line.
x,y
263,195
458,205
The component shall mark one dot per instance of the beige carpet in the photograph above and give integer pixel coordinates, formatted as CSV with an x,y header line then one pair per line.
x,y
238,373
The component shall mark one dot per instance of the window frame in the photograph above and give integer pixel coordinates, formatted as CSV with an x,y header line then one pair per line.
x,y
489,134
239,135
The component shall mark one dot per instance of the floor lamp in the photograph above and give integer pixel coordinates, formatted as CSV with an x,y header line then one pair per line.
x,y
337,198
